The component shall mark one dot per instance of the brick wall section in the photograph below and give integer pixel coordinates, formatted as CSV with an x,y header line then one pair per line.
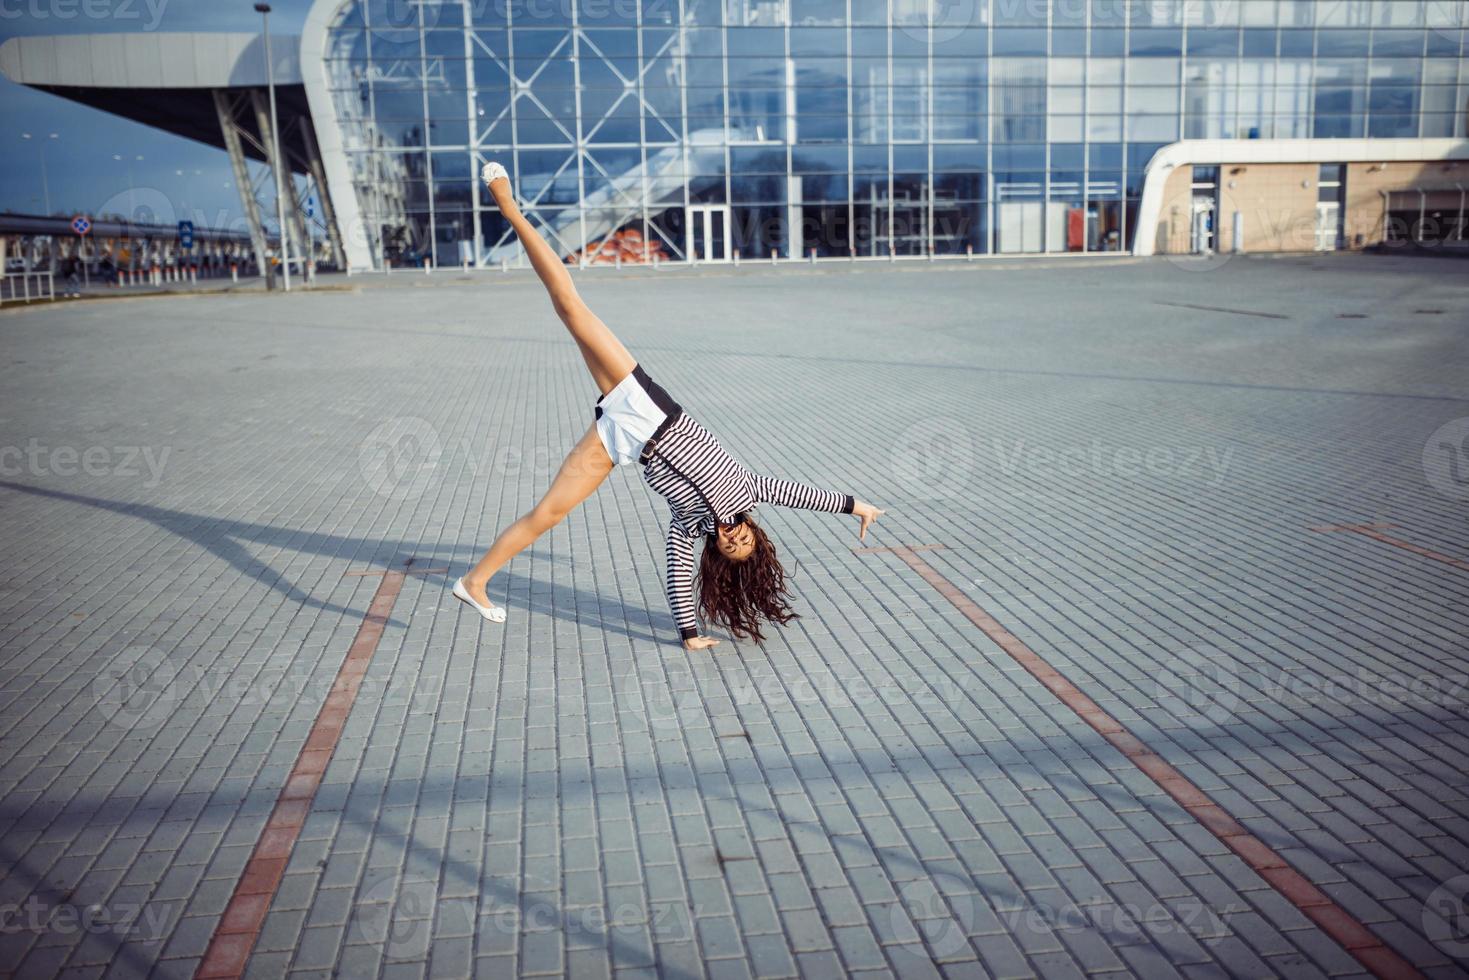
x,y
1279,213
1173,216
1365,184
1278,202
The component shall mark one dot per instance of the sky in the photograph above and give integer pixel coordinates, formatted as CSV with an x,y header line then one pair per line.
x,y
82,172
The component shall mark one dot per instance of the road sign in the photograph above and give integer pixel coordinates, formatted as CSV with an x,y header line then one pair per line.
x,y
80,224
186,234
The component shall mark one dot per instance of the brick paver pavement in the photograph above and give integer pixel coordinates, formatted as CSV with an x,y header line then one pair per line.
x,y
1131,466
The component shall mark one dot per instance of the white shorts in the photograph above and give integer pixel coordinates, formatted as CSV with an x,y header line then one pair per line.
x,y
631,414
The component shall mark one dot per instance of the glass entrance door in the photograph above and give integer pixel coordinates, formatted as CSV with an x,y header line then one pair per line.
x,y
708,231
1328,220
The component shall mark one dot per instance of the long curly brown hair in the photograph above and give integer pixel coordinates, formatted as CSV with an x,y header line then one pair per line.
x,y
740,595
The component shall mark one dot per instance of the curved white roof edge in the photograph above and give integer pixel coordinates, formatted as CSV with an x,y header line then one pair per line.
x,y
329,134
1189,152
194,59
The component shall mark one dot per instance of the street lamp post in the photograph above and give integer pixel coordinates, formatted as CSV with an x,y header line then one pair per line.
x,y
280,153
45,181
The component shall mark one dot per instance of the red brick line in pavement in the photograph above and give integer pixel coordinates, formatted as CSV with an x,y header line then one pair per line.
x,y
1332,919
238,929
1374,532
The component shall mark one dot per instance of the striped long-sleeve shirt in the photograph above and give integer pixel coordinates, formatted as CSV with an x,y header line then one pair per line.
x,y
705,485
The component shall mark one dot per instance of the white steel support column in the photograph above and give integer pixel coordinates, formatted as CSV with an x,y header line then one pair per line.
x,y
224,107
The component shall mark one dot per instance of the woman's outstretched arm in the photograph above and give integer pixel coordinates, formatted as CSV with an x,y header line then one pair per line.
x,y
789,493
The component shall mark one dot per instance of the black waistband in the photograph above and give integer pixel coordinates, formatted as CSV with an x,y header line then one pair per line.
x,y
655,391
651,445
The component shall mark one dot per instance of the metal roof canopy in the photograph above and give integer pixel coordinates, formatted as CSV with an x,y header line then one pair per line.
x,y
163,80
208,87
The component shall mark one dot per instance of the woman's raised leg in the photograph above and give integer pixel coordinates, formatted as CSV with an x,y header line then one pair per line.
x,y
606,358
583,470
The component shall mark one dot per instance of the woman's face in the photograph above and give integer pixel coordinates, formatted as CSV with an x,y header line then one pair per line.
x,y
736,541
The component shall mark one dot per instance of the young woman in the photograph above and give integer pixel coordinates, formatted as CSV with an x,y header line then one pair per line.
x,y
741,584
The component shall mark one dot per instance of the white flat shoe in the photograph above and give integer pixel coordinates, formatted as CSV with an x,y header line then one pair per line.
x,y
493,171
493,613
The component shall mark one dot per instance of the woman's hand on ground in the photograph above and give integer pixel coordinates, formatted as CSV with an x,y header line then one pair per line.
x,y
699,642
868,513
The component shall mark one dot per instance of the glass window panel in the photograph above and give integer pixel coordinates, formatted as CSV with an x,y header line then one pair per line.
x,y
756,42
1102,128
444,44
1019,41
1258,44
1397,13
1108,43
910,158
961,42
1066,99
1011,14
1067,156
1438,124
909,43
755,12
819,41
869,41
1397,44
1108,13
1257,13
398,103
1104,71
821,128
1020,156
955,158
1152,99
1143,127
959,73
1153,71
1326,126
824,187
1382,126
1068,42
1445,43
1213,13
747,188
957,125
1343,44
1396,72
757,73
1104,98
1344,13
1104,156
1297,13
1221,43
818,11
1440,71
1065,127
812,71
1065,71
1297,43
959,186
1156,41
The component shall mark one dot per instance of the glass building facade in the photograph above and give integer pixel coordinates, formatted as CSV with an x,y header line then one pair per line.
x,y
688,129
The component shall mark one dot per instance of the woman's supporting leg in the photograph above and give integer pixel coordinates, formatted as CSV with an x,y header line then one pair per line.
x,y
606,358
583,470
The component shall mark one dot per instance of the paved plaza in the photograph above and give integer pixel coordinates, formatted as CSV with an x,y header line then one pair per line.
x,y
1157,664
